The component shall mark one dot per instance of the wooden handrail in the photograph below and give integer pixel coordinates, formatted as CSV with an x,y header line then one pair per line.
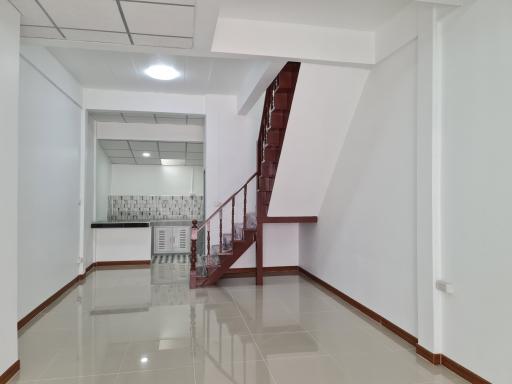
x,y
227,201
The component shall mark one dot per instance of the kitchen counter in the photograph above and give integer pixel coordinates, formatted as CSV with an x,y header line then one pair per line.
x,y
120,224
141,223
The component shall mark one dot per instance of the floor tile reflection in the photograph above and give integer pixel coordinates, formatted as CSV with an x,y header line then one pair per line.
x,y
145,325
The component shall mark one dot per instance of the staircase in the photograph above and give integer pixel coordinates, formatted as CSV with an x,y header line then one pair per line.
x,y
214,260
210,262
276,110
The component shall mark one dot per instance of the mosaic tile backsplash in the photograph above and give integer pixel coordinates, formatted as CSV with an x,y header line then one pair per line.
x,y
126,208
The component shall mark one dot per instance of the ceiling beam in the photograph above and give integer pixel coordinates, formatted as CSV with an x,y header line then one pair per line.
x,y
455,3
293,41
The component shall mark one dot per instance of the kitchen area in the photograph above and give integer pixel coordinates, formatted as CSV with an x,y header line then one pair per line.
x,y
149,186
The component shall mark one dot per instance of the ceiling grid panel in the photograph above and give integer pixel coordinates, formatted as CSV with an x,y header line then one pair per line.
x,y
124,21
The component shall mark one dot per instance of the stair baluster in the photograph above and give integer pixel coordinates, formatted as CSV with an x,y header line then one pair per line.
x,y
228,254
209,257
245,208
220,230
232,222
193,254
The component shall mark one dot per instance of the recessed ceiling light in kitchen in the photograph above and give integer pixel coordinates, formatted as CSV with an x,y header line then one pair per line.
x,y
162,72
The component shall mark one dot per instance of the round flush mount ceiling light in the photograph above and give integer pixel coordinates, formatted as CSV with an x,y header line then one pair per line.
x,y
146,154
162,72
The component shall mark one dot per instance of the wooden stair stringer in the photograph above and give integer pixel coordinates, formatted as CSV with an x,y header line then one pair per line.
x,y
227,260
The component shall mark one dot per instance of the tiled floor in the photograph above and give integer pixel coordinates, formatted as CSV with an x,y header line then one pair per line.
x,y
146,326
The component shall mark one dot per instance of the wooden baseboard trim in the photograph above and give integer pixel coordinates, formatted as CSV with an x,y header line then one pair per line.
x,y
45,304
434,358
10,372
127,263
462,371
88,270
267,271
80,278
440,359
411,339
290,219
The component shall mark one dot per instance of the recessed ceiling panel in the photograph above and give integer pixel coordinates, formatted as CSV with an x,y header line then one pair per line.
x,y
108,69
194,147
194,162
107,117
85,14
194,155
163,41
41,32
159,19
171,120
96,36
174,2
139,118
144,161
118,152
197,122
172,147
32,14
114,144
122,160
172,155
144,146
152,154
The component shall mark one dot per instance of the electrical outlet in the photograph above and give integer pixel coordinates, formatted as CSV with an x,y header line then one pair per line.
x,y
445,286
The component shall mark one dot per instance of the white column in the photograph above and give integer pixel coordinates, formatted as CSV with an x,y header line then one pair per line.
x,y
9,85
429,180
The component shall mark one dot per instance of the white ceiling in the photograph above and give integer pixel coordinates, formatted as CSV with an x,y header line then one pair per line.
x,y
365,15
161,23
131,152
125,71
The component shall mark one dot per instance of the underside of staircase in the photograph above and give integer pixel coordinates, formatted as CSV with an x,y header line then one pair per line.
x,y
210,260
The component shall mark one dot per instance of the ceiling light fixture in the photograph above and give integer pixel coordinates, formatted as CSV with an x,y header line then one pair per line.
x,y
144,360
146,154
162,72
172,161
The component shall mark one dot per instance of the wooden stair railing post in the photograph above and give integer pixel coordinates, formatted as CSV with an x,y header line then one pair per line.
x,y
209,258
220,231
233,222
229,257
193,254
245,208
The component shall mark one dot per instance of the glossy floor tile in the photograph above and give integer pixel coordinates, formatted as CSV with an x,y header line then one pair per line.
x,y
145,325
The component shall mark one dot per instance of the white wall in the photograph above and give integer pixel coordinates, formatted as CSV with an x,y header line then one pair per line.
x,y
89,192
49,182
114,100
156,180
365,241
156,132
323,106
103,183
9,75
230,147
477,188
230,159
280,245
